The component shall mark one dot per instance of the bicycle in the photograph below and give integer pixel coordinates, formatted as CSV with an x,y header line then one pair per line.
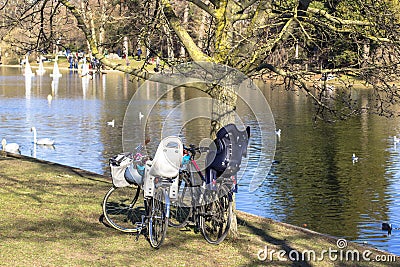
x,y
210,210
212,196
159,182
119,208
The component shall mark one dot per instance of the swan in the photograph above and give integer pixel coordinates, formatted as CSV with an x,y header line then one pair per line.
x,y
41,141
11,147
111,123
140,116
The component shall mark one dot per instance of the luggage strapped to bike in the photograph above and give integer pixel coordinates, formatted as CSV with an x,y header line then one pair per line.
x,y
118,165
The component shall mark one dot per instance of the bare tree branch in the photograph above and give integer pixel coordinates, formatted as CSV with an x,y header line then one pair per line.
x,y
203,6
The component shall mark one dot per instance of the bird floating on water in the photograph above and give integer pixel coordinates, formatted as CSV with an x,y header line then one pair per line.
x,y
41,141
140,116
387,227
111,123
278,133
49,98
11,147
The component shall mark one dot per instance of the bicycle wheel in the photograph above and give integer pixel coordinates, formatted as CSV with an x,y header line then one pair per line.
x,y
158,218
181,208
120,209
215,216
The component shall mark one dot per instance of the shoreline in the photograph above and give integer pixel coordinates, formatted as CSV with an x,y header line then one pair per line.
x,y
51,67
355,83
24,176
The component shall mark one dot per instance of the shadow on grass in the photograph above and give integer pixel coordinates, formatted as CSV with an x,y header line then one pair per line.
x,y
52,229
261,230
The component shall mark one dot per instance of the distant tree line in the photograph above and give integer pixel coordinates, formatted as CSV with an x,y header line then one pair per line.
x,y
292,39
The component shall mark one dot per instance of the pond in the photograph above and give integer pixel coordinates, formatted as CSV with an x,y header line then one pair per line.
x,y
313,182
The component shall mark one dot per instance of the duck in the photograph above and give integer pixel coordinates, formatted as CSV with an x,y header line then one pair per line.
x,y
111,123
41,141
387,227
11,147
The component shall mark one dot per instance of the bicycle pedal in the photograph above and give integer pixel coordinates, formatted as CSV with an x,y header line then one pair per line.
x,y
137,237
141,226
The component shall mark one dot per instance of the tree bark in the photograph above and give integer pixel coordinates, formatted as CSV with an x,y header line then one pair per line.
x,y
185,22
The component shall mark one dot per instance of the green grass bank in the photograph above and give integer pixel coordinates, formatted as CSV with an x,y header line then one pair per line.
x,y
49,216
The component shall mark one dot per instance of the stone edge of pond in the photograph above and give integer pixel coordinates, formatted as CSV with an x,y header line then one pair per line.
x,y
306,231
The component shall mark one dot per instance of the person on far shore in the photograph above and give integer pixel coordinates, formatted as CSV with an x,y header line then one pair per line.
x,y
139,53
70,60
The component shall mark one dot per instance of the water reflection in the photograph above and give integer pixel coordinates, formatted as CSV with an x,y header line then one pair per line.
x,y
54,86
28,87
85,85
312,181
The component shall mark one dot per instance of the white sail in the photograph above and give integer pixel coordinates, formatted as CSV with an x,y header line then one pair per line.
x,y
28,70
56,72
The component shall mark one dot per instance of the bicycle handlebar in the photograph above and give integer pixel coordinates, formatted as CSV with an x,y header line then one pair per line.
x,y
192,149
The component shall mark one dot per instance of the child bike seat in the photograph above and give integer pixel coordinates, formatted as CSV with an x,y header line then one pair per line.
x,y
168,158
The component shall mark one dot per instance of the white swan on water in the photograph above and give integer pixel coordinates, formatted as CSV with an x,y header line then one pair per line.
x,y
41,141
11,147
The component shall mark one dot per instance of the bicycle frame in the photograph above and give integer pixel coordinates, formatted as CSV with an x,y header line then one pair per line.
x,y
192,151
210,213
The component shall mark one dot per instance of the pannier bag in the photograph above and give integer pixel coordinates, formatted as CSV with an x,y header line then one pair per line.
x,y
123,171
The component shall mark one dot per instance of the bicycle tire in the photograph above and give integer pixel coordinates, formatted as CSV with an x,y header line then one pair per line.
x,y
120,211
181,208
158,220
215,216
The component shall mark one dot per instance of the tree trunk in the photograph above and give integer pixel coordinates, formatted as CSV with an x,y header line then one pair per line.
x,y
366,49
224,102
169,43
202,30
185,21
102,24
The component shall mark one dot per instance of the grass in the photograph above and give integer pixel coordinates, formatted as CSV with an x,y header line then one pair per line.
x,y
50,214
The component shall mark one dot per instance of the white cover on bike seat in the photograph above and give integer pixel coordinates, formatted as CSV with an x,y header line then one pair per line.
x,y
168,158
